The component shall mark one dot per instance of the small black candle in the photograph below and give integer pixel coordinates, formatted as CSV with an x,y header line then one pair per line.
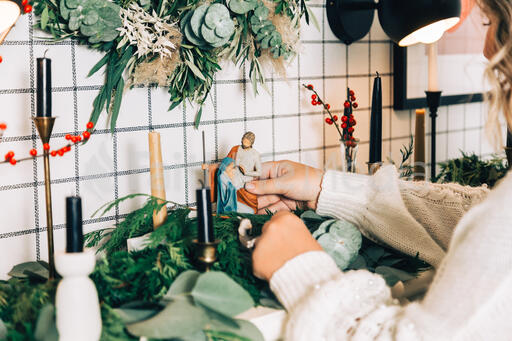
x,y
509,138
204,216
44,87
376,122
74,232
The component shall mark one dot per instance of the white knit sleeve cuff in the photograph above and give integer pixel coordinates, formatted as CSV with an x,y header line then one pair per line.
x,y
342,193
298,277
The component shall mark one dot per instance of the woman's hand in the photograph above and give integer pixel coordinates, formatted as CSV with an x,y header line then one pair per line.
x,y
283,184
283,237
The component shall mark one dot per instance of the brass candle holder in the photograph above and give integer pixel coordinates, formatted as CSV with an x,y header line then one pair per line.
x,y
44,126
206,253
373,167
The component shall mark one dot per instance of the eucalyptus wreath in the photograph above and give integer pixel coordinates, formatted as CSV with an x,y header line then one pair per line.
x,y
177,44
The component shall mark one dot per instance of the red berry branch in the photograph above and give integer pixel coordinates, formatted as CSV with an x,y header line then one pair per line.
x,y
347,120
74,140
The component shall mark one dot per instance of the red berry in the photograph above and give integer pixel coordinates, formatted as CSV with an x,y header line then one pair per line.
x,y
352,122
68,137
3,126
344,125
46,146
351,116
351,93
313,96
9,155
346,104
328,120
13,161
355,105
313,102
344,118
79,138
351,130
33,152
352,98
328,106
67,148
1,59
310,86
74,139
347,143
27,9
90,125
352,138
335,118
60,152
86,134
53,153
24,2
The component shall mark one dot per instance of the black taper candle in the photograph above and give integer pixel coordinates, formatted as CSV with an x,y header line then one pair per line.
x,y
376,122
205,233
509,138
44,87
74,231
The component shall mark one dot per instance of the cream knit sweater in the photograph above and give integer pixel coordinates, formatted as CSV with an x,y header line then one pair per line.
x,y
471,295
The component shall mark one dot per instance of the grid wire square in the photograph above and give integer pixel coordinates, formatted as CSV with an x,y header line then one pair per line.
x,y
19,31
20,204
59,193
61,57
174,185
311,32
358,59
310,127
17,250
63,108
230,99
15,70
259,105
134,109
133,183
135,144
335,59
86,59
17,115
21,173
286,98
96,156
263,131
96,192
379,57
62,168
290,140
160,104
310,61
230,135
313,158
195,144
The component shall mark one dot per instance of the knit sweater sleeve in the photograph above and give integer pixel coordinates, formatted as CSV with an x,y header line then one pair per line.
x,y
325,304
416,218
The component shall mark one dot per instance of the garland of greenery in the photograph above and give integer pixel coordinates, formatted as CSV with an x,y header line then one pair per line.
x,y
177,44
123,277
473,171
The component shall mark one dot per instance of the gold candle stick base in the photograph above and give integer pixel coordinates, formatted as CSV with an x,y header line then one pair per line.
x,y
508,151
206,253
373,167
44,126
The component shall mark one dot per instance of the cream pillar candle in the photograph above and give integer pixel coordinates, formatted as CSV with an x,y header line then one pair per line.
x,y
433,81
419,145
156,170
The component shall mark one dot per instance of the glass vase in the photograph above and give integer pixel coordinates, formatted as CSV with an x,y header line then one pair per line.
x,y
348,149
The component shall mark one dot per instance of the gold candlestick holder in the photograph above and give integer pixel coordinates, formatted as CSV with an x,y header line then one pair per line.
x,y
373,167
44,126
206,253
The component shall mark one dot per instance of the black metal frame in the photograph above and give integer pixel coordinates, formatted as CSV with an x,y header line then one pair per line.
x,y
400,100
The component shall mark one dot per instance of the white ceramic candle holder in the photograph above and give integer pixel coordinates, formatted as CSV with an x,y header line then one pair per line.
x,y
78,310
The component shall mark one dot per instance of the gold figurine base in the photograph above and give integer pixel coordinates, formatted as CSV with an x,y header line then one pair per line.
x,y
206,254
44,126
373,167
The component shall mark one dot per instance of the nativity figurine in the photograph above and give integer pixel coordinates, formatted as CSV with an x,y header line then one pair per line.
x,y
242,165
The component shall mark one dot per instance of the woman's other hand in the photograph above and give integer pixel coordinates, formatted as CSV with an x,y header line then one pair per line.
x,y
284,237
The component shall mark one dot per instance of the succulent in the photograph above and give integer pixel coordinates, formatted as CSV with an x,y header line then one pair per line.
x,y
266,32
242,6
96,19
209,25
341,240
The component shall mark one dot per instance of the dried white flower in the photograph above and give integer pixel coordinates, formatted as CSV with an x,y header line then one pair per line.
x,y
151,34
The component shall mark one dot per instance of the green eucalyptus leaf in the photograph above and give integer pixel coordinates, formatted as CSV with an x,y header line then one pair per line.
x,y
195,70
46,328
183,284
220,293
197,19
245,330
209,35
198,117
44,18
128,315
117,104
30,270
178,319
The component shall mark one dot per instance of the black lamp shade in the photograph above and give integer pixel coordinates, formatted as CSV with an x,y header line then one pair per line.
x,y
401,18
406,22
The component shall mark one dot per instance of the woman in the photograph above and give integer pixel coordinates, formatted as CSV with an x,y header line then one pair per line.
x,y
471,295
229,181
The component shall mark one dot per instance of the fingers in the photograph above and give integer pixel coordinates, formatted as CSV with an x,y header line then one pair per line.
x,y
277,207
269,186
267,200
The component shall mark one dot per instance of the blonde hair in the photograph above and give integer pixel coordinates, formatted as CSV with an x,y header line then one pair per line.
x,y
499,69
